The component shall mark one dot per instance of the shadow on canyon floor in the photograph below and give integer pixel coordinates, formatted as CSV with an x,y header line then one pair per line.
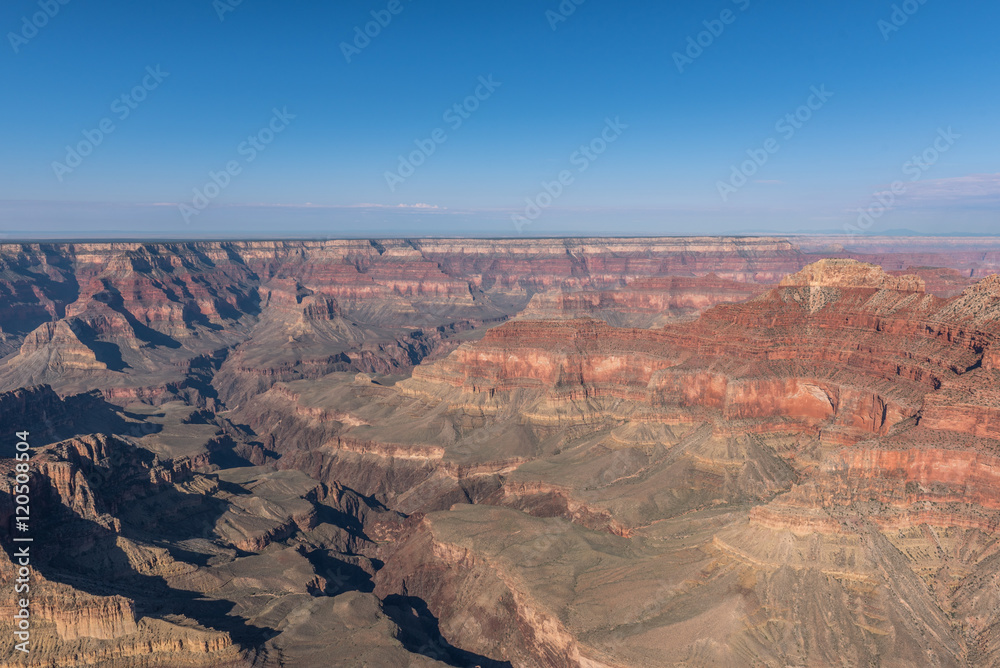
x,y
421,634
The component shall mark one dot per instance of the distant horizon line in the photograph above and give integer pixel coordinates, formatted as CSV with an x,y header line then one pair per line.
x,y
907,234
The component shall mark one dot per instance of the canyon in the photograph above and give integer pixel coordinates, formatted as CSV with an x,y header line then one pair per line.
x,y
538,453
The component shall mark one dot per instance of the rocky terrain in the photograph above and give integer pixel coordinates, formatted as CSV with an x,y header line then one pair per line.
x,y
595,453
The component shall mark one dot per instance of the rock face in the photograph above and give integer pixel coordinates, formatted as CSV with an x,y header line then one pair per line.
x,y
851,274
823,347
540,453
643,302
55,348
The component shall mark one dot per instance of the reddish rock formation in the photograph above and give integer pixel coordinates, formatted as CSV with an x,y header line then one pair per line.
x,y
643,302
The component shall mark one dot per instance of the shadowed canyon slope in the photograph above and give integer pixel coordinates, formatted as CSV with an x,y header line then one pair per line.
x,y
525,453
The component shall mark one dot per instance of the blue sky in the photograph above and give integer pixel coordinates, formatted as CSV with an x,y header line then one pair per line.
x,y
648,130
